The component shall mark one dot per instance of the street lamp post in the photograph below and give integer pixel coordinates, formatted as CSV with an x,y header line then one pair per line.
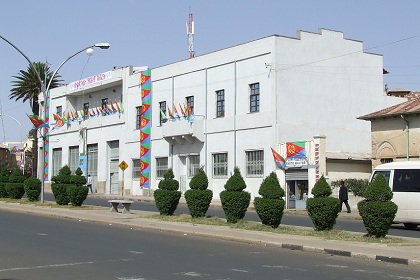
x,y
46,88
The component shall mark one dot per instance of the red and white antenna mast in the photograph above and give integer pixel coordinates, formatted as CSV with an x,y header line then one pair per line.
x,y
190,34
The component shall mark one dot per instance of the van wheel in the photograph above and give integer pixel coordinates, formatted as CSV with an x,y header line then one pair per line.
x,y
410,225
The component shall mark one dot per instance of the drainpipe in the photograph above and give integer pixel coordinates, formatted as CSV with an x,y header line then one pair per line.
x,y
407,135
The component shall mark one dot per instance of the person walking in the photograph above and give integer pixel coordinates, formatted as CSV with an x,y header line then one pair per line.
x,y
343,195
89,183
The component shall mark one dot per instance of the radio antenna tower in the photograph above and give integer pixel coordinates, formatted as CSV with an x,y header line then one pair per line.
x,y
190,34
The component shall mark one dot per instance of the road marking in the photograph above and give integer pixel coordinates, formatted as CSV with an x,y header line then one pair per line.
x,y
136,252
42,234
285,267
240,270
44,266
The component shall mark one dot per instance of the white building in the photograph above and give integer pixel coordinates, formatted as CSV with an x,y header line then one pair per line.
x,y
245,99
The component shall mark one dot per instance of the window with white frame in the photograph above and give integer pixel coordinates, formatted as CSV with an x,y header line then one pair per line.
x,y
161,167
138,117
193,165
57,156
255,163
254,98
220,103
73,158
162,106
136,169
220,165
59,110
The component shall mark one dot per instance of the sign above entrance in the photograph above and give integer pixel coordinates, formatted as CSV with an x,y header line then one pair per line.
x,y
296,162
123,165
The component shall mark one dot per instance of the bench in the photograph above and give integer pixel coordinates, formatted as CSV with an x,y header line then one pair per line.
x,y
126,204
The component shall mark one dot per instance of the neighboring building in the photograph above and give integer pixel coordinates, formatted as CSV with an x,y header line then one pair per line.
x,y
396,130
7,157
245,99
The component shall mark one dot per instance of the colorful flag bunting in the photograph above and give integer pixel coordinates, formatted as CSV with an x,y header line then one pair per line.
x,y
280,161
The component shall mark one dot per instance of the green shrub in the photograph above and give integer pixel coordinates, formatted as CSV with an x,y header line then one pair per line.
x,y
60,193
270,206
15,190
77,194
235,204
32,188
198,197
5,173
323,212
322,209
234,200
63,177
17,177
270,210
3,192
198,202
167,196
377,210
356,186
166,201
236,181
199,181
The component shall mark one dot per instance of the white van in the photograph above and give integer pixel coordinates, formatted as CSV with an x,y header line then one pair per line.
x,y
404,180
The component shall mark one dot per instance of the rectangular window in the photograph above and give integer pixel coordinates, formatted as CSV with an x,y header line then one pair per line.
x,y
193,165
254,98
220,103
57,161
92,154
406,180
161,167
255,163
138,117
73,158
136,169
86,109
162,106
59,111
190,103
220,165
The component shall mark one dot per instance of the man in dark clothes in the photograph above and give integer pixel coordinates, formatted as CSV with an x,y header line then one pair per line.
x,y
343,195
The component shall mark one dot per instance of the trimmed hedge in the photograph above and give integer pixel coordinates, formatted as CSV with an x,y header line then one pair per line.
x,y
198,197
32,188
167,196
377,210
3,193
15,190
270,206
323,209
60,193
77,194
234,200
166,201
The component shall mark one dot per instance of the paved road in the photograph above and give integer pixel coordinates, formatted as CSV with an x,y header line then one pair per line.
x,y
43,247
355,225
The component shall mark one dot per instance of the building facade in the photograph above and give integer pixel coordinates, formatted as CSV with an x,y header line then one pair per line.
x,y
225,109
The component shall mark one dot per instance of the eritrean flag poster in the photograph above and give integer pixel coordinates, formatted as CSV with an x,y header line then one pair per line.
x,y
296,149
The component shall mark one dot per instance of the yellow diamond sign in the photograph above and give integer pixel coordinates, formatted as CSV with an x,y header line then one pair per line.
x,y
123,165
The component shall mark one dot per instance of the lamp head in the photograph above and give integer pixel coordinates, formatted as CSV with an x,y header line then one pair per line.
x,y
103,46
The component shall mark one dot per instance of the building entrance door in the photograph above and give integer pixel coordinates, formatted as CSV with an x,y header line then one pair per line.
x,y
113,176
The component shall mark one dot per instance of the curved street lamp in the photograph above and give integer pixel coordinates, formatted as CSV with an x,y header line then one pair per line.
x,y
46,88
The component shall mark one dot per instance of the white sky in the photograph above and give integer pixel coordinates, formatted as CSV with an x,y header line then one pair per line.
x,y
152,33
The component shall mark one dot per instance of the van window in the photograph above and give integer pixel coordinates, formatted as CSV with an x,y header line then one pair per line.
x,y
386,173
406,180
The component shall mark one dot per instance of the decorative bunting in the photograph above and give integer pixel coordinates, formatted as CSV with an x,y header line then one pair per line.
x,y
145,125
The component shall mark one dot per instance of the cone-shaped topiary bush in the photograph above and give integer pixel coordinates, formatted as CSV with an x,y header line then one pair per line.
x,y
322,209
198,197
15,188
234,200
167,195
270,206
377,210
32,188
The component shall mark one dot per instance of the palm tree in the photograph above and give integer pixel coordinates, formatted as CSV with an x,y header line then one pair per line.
x,y
28,87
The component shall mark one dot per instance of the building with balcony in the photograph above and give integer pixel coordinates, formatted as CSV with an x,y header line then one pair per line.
x,y
225,109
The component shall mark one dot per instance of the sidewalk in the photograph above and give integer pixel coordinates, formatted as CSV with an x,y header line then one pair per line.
x,y
407,253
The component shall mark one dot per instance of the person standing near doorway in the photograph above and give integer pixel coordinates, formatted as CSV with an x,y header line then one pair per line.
x,y
89,183
343,195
